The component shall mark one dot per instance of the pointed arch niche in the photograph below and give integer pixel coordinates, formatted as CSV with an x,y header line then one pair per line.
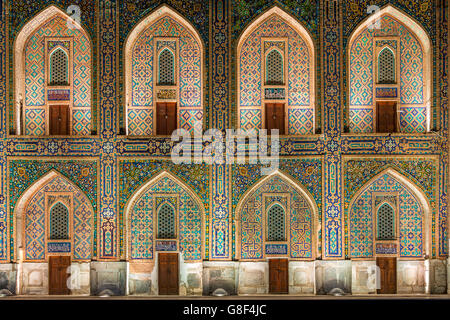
x,y
163,29
301,212
412,214
34,94
32,220
276,30
412,89
141,219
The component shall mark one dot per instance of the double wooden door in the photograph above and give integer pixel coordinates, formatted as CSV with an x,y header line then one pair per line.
x,y
386,117
278,276
166,118
59,120
168,273
275,117
58,275
388,275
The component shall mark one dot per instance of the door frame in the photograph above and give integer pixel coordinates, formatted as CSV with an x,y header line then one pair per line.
x,y
178,270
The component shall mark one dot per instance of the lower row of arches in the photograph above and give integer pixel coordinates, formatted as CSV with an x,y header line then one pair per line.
x,y
277,217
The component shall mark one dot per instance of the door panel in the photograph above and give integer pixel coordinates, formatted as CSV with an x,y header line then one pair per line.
x,y
388,275
275,117
166,117
168,273
59,120
386,117
57,268
278,276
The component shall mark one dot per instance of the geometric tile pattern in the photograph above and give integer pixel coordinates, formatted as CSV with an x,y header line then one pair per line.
x,y
191,120
190,63
140,122
250,119
35,121
298,65
34,63
413,119
189,222
35,221
251,222
362,220
411,78
81,122
301,121
362,120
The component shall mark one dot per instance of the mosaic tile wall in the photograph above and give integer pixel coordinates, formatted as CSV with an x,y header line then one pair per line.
x,y
114,166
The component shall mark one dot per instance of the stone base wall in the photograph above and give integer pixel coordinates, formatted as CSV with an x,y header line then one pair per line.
x,y
108,278
223,275
364,277
331,274
8,277
438,276
34,280
302,277
410,277
253,278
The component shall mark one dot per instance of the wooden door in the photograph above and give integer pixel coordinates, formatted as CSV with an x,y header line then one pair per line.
x,y
278,276
275,117
166,117
59,120
57,275
168,273
388,275
387,117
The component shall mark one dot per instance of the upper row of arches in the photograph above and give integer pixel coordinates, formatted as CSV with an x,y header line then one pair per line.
x,y
389,78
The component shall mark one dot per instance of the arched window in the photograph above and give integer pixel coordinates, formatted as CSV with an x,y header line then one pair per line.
x,y
166,69
386,67
276,223
59,222
166,222
274,68
59,68
385,222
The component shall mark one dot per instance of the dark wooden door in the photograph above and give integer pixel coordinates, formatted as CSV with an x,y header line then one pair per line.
x,y
57,275
386,117
168,273
388,275
59,120
275,117
278,276
166,117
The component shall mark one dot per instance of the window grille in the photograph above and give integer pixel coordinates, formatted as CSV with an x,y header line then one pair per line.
x,y
276,223
166,68
386,226
386,67
166,222
274,68
59,75
59,222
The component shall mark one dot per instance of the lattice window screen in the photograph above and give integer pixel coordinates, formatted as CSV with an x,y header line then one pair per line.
x,y
166,68
166,222
59,222
386,228
59,63
274,68
276,223
386,67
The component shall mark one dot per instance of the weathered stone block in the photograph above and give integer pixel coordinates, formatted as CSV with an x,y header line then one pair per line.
x,y
301,277
438,276
8,276
220,275
364,277
34,278
333,274
410,276
253,278
108,277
